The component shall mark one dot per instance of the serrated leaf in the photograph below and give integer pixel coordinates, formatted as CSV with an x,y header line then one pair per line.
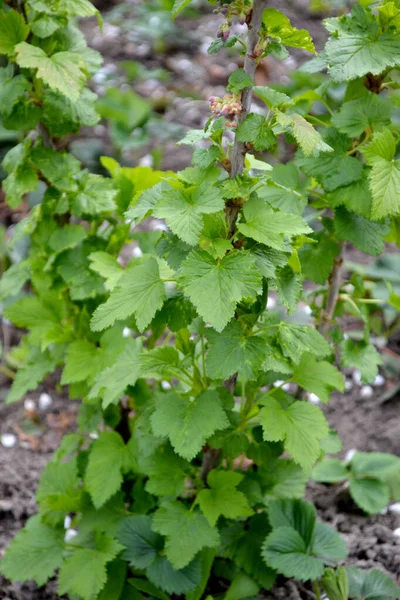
x,y
187,532
82,362
174,581
238,81
183,210
13,30
58,493
328,544
271,97
270,227
95,195
103,476
35,553
289,286
140,292
59,168
188,424
358,48
321,378
371,585
332,170
11,89
295,513
372,495
256,129
308,138
32,372
62,115
178,6
62,71
84,572
14,278
356,197
361,356
106,266
66,237
300,427
222,497
141,543
370,111
278,26
297,339
364,234
234,350
317,259
216,286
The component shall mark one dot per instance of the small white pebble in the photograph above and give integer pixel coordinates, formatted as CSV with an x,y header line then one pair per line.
x,y
8,440
45,401
271,303
30,405
278,382
313,398
286,387
346,336
396,532
357,377
70,534
165,385
348,385
395,507
136,252
126,332
366,391
94,435
146,161
383,512
160,227
349,455
379,380
67,522
307,309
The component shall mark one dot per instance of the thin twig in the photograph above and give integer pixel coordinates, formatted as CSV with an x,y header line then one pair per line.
x,y
335,281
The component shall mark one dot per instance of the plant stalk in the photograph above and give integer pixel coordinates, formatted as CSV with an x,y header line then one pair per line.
x,y
335,281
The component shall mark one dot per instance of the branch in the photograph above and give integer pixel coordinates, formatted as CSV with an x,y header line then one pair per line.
x,y
335,281
250,65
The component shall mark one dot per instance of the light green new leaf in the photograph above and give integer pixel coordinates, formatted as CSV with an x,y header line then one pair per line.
x,y
13,30
178,6
96,195
278,26
84,572
321,378
35,553
270,227
238,81
222,497
385,187
32,372
330,470
188,424
112,382
14,278
308,138
103,478
82,362
140,292
372,495
59,491
300,427
297,339
160,363
234,350
106,266
216,286
358,49
361,356
183,210
63,71
187,532
271,97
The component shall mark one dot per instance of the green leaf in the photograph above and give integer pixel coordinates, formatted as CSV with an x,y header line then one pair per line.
x,y
62,115
96,195
285,550
298,514
368,112
300,427
271,97
116,575
356,197
183,210
103,478
242,587
297,339
166,471
178,6
32,372
328,544
336,584
289,286
173,581
256,129
14,278
84,572
371,585
374,464
188,424
330,470
317,259
13,30
234,350
372,495
66,237
361,356
59,490
270,227
140,292
321,378
161,363
238,81
141,543
11,89
187,532
364,234
384,178
308,138
278,26
216,286
357,47
222,497
59,168
107,267
111,383
62,71
333,170
35,553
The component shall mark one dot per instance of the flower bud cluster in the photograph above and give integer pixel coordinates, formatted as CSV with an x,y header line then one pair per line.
x,y
237,8
229,107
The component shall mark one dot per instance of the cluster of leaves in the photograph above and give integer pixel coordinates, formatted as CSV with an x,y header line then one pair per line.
x,y
189,464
